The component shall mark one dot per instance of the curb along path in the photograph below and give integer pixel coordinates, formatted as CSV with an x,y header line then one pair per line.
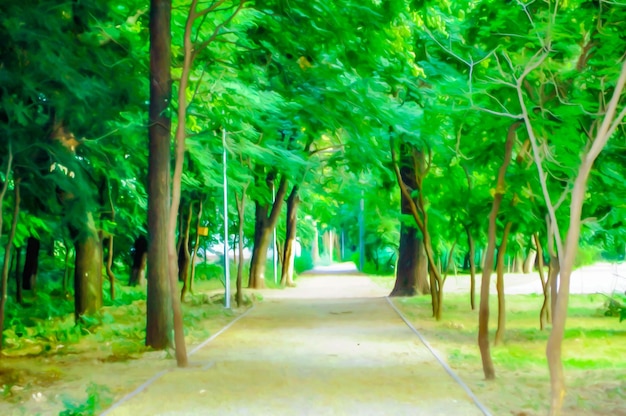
x,y
298,354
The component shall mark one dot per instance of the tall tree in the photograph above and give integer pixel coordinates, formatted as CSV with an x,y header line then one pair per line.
x,y
159,312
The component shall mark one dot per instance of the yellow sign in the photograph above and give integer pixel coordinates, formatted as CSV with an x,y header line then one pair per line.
x,y
203,231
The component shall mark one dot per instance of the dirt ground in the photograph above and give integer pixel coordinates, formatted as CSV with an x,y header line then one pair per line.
x,y
331,346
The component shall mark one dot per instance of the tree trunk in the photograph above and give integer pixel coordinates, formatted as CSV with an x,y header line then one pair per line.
x,y
500,284
315,249
159,305
19,296
196,246
472,267
109,270
87,268
420,214
31,264
140,256
543,314
184,256
529,263
286,275
483,312
7,257
412,269
264,226
109,263
240,215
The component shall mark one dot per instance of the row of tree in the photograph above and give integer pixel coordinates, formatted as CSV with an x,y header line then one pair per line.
x,y
456,124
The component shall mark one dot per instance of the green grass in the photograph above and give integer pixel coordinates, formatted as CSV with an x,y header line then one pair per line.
x,y
594,351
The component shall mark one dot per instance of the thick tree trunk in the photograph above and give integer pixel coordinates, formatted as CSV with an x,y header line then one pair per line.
x,y
87,269
472,267
7,257
412,269
196,246
483,312
240,215
31,264
140,257
159,304
500,285
263,228
286,275
543,314
258,262
184,257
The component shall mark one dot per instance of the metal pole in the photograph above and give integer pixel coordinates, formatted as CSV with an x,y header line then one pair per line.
x,y
275,249
226,259
362,233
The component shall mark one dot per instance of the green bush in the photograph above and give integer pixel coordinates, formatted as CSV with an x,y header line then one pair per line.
x,y
304,262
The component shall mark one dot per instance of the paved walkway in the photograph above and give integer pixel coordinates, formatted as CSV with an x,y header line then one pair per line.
x,y
332,346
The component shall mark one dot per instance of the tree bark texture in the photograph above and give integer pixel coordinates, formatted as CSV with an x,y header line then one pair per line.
x,y
159,306
263,228
412,268
87,268
286,275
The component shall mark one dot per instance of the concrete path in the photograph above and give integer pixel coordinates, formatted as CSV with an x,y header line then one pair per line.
x,y
331,346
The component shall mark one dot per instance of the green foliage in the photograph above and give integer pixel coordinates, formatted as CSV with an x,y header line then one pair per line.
x,y
98,398
303,262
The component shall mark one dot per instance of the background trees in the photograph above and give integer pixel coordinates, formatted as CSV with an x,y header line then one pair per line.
x,y
489,119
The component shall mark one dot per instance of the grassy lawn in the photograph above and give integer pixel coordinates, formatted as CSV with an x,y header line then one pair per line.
x,y
594,353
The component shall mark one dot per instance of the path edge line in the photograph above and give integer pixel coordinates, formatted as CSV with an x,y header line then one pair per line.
x,y
445,366
161,373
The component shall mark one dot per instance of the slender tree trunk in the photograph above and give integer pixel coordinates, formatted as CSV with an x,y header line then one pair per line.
x,y
543,314
109,263
159,304
196,246
7,257
31,264
109,270
240,216
19,295
500,284
87,268
184,256
483,312
472,264
286,276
